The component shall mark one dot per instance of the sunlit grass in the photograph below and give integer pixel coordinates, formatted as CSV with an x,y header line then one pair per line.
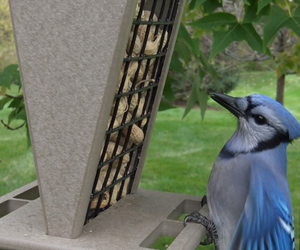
x,y
16,166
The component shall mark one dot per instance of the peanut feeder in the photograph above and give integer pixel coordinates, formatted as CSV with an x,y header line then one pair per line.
x,y
129,104
92,75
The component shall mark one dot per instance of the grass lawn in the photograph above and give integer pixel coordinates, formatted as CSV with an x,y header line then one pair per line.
x,y
181,152
16,166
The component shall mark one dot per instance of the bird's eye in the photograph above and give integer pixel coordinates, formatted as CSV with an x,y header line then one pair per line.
x,y
260,120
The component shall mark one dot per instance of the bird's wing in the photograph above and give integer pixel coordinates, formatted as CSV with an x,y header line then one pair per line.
x,y
266,222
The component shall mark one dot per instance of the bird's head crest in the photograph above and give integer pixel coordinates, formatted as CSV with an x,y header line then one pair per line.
x,y
263,122
283,115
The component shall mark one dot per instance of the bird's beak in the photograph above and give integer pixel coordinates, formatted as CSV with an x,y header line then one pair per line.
x,y
228,102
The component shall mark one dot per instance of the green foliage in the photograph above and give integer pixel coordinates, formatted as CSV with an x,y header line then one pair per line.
x,y
11,96
209,6
192,52
10,81
288,61
195,4
228,80
214,20
17,164
278,19
9,76
235,33
202,17
255,11
226,27
180,61
262,4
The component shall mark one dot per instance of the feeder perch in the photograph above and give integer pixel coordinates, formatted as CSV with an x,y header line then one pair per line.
x,y
92,75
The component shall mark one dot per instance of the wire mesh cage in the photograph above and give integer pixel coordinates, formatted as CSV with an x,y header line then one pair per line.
x,y
132,105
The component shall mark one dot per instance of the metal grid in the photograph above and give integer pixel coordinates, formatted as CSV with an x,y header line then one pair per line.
x,y
132,106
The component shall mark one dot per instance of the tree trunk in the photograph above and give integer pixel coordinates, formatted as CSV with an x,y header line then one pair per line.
x,y
280,89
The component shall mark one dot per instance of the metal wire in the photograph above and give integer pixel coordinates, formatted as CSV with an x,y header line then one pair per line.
x,y
114,182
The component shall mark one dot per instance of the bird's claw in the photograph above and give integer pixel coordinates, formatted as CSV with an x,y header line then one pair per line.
x,y
204,201
207,241
211,231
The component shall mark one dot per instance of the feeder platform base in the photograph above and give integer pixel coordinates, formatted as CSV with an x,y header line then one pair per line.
x,y
135,222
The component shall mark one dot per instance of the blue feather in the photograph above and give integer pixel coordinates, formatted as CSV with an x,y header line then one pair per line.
x,y
266,223
260,217
282,114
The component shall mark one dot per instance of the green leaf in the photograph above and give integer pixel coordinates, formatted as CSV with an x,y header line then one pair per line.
x,y
254,16
297,11
196,42
21,115
238,32
176,64
197,96
10,75
193,99
262,4
194,4
275,21
265,11
201,95
246,2
294,24
214,20
204,61
211,5
11,116
165,105
196,85
203,98
202,73
168,91
16,103
17,114
183,51
251,37
290,63
250,13
278,19
222,39
3,101
3,90
184,36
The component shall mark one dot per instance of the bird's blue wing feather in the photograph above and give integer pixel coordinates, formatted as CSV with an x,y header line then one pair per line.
x,y
266,222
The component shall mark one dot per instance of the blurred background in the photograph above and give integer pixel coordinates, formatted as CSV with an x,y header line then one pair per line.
x,y
234,47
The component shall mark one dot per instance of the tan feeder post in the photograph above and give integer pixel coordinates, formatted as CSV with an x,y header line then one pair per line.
x,y
93,74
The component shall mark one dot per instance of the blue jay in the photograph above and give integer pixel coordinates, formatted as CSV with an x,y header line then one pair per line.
x,y
248,194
